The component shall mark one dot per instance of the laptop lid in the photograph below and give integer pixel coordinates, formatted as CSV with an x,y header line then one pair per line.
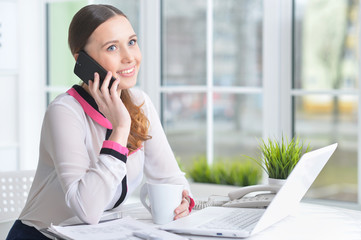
x,y
287,199
296,186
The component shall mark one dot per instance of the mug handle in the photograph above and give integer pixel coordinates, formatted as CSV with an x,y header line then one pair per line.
x,y
143,196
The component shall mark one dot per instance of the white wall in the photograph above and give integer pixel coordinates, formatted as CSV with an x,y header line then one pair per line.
x,y
8,83
32,101
8,122
22,94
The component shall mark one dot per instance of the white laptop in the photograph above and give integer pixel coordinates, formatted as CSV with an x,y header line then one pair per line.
x,y
217,221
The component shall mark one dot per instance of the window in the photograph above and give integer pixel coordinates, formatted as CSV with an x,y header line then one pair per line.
x,y
325,90
60,62
234,71
211,83
222,73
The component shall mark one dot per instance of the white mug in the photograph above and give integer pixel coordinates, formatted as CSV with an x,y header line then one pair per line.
x,y
163,198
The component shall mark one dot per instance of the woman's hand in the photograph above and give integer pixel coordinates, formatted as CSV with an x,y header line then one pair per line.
x,y
112,107
183,209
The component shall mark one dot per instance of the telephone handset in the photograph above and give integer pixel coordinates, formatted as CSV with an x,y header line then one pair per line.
x,y
238,197
261,200
255,188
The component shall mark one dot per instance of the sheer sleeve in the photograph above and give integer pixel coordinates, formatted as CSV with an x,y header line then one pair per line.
x,y
89,179
160,163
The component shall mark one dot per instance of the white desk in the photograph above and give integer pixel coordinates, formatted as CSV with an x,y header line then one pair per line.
x,y
308,222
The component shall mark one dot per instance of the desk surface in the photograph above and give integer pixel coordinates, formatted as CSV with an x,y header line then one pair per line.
x,y
308,222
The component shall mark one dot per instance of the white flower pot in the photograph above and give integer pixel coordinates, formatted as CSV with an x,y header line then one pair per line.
x,y
277,182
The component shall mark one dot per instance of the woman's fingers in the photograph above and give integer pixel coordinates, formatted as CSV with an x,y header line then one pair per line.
x,y
182,210
185,193
104,88
95,82
94,88
109,102
114,88
103,94
105,84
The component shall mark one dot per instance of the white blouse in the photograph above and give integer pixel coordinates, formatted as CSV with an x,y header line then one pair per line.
x,y
80,173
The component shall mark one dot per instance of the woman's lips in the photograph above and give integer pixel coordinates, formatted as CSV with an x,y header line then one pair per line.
x,y
127,72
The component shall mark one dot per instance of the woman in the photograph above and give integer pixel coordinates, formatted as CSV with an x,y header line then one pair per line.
x,y
96,142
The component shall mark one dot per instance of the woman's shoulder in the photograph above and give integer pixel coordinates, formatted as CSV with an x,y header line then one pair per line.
x,y
139,96
64,102
63,99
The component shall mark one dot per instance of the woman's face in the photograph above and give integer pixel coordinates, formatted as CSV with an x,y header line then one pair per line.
x,y
113,44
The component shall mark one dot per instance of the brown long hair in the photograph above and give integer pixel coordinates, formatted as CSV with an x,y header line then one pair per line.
x,y
83,24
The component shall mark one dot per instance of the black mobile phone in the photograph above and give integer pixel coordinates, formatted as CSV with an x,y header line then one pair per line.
x,y
86,66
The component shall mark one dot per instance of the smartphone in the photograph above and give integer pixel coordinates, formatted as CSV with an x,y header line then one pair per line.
x,y
85,67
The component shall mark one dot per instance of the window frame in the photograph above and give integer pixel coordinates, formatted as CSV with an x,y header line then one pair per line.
x,y
294,92
277,119
209,89
278,99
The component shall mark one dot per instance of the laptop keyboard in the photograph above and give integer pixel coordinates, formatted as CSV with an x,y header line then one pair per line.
x,y
238,219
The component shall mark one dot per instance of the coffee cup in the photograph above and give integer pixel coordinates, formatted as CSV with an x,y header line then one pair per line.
x,y
163,200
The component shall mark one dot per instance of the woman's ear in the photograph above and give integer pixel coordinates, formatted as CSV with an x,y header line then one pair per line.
x,y
76,56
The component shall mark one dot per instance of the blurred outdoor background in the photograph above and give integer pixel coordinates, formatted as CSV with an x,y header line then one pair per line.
x,y
211,85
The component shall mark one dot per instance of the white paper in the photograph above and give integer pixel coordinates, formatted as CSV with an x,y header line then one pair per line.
x,y
134,210
120,229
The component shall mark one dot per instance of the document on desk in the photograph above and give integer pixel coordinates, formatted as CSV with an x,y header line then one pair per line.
x,y
120,229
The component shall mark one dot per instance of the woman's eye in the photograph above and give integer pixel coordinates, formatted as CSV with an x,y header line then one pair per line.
x,y
132,42
112,48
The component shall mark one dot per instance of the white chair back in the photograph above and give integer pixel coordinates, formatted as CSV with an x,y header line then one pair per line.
x,y
14,191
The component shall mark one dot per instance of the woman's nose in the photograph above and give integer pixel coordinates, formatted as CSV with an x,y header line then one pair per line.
x,y
126,56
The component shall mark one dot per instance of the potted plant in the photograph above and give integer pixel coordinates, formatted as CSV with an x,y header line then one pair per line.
x,y
279,158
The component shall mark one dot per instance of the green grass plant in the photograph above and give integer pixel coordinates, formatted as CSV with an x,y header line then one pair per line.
x,y
279,158
226,172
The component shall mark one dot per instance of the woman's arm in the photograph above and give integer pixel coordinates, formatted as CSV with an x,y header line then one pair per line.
x,y
160,164
88,184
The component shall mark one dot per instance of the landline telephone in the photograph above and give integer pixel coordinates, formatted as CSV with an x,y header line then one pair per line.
x,y
238,197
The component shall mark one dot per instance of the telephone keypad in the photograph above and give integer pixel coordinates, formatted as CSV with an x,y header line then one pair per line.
x,y
259,201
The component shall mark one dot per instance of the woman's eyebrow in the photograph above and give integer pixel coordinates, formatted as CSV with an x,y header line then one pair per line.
x,y
116,41
111,41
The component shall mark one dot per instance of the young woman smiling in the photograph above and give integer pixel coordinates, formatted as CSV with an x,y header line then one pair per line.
x,y
98,143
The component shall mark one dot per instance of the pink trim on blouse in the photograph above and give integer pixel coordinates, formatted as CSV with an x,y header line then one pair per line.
x,y
101,120
88,109
135,151
115,146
